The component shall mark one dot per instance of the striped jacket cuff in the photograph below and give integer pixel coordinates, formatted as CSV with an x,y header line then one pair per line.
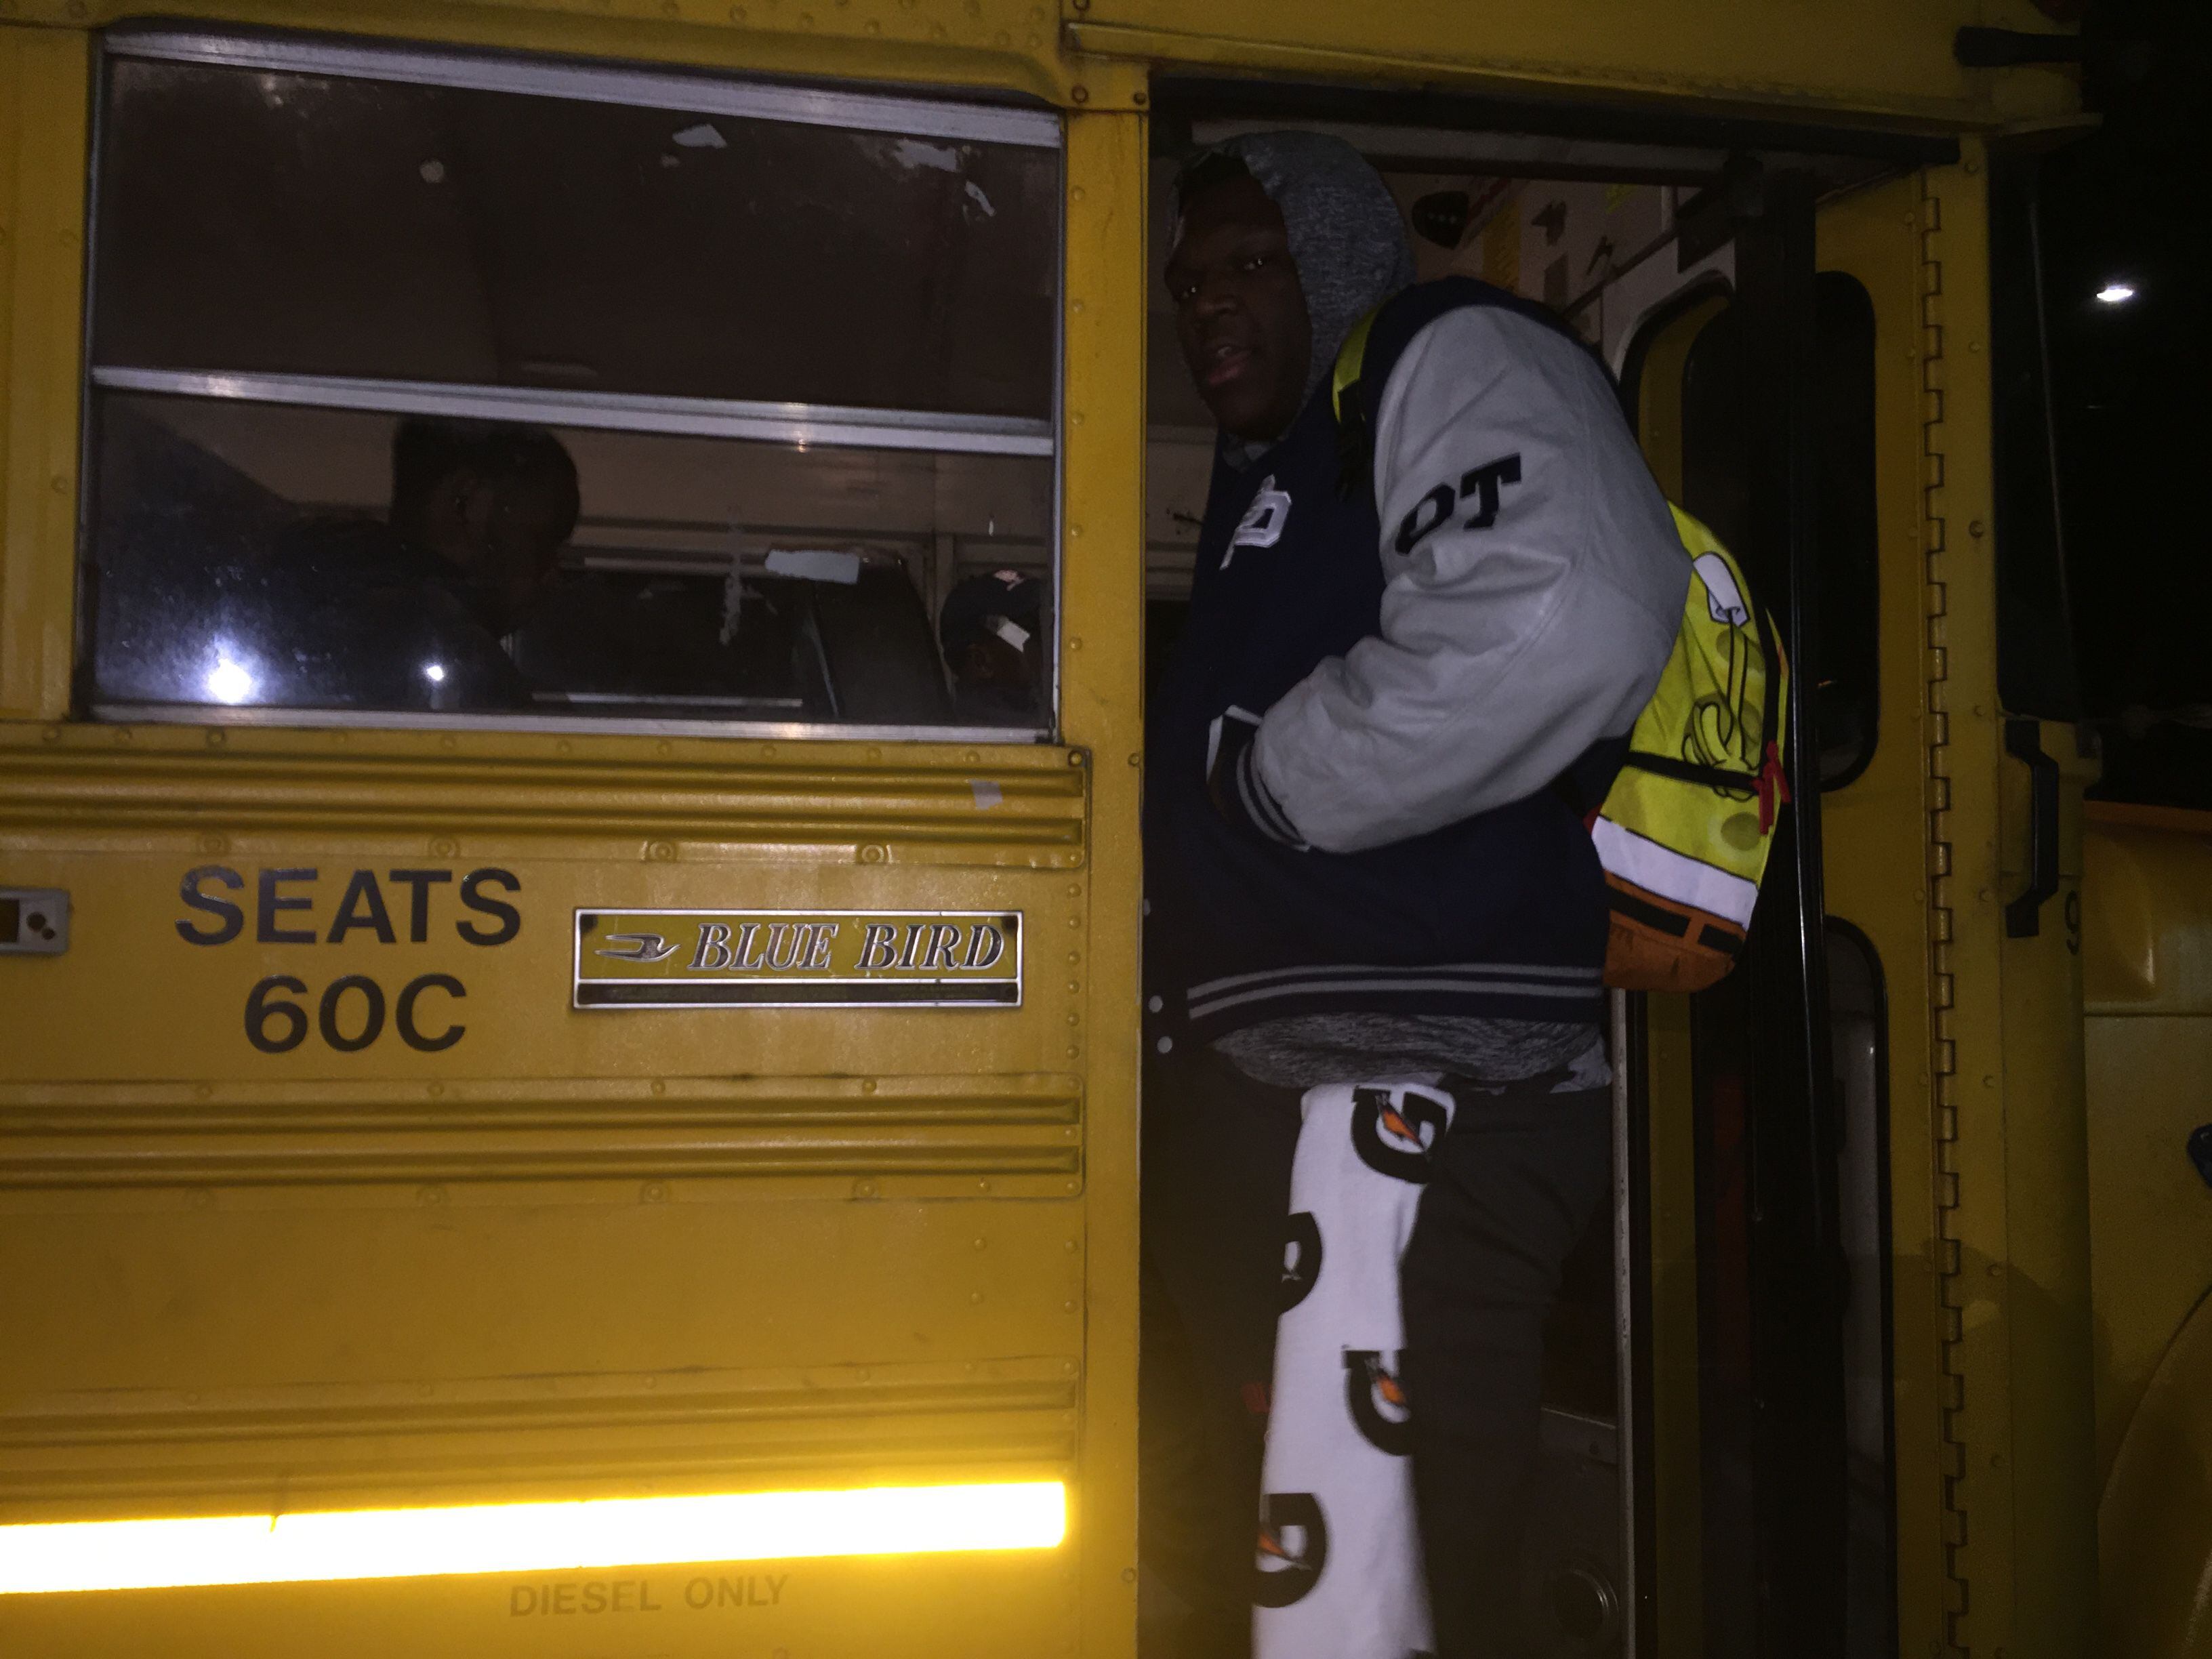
x,y
1260,806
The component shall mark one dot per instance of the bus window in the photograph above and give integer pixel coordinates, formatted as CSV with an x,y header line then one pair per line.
x,y
457,386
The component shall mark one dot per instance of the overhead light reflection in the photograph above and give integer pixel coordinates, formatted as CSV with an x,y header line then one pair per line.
x,y
434,672
230,681
2116,294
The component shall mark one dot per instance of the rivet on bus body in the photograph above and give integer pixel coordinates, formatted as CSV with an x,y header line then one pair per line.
x,y
768,751
52,734
444,846
430,1195
661,852
867,1085
202,1090
1080,93
873,26
1067,1367
1129,1575
1067,1307
215,843
216,739
1075,889
871,854
971,757
564,747
449,741
1068,1186
1074,987
1071,1246
658,1087
1075,530
982,1186
980,1243
1074,1019
653,1192
974,1296
864,1189
61,479
1136,760
663,747
1974,527
1073,1054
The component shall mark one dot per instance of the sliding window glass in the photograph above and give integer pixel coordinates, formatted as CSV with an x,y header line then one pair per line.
x,y
433,386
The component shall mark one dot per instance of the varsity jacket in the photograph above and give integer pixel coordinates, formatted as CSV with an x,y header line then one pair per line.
x,y
1349,802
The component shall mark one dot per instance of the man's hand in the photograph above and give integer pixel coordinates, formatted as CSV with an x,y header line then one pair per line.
x,y
1233,781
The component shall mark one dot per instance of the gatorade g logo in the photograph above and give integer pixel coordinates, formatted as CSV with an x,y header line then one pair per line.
x,y
1394,1137
1301,1259
1377,1399
1293,1548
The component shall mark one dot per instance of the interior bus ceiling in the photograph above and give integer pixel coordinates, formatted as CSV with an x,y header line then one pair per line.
x,y
1617,142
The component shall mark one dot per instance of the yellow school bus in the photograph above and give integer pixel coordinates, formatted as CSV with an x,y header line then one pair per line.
x,y
634,1153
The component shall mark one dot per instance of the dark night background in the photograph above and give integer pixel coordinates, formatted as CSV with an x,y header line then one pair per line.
x,y
2127,205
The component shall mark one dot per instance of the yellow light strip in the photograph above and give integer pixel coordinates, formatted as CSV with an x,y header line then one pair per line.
x,y
610,1532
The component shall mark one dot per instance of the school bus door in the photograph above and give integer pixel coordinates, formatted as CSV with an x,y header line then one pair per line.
x,y
1942,1459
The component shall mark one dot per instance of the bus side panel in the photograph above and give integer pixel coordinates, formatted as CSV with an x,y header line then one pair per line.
x,y
44,115
1102,710
533,1252
1875,848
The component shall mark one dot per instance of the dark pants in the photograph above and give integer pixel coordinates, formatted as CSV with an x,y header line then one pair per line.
x,y
1513,1185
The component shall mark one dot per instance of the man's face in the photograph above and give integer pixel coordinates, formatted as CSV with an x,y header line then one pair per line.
x,y
505,536
1240,313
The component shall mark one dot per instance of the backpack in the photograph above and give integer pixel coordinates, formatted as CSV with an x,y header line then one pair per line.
x,y
1686,827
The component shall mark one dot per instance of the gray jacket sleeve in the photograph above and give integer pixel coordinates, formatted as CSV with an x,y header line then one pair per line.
x,y
1534,586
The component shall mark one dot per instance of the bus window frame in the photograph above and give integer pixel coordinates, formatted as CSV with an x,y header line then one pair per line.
x,y
811,102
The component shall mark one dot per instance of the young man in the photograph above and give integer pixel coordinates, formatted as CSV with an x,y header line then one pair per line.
x,y
1415,650
409,613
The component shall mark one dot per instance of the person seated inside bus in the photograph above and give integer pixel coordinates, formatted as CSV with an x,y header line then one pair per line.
x,y
992,631
409,612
